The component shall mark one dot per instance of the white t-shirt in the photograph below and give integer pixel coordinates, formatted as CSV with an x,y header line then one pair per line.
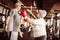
x,y
14,22
39,29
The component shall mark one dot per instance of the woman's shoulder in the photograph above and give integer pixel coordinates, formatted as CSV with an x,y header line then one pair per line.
x,y
12,12
12,9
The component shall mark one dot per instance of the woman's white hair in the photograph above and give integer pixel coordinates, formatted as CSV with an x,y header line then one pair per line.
x,y
17,4
43,13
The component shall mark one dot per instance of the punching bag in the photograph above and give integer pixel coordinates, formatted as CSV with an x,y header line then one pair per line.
x,y
24,14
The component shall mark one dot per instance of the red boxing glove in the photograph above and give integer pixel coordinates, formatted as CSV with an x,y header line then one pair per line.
x,y
23,13
25,19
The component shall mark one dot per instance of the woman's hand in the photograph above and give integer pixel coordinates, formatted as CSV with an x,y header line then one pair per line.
x,y
5,29
21,34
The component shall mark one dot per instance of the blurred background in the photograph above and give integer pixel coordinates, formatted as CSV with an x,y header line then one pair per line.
x,y
52,18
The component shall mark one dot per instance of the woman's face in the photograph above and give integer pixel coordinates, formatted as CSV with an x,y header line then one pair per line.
x,y
19,8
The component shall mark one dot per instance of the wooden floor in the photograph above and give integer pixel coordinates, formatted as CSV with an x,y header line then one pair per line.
x,y
3,36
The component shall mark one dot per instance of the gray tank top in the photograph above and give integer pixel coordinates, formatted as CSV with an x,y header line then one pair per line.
x,y
14,22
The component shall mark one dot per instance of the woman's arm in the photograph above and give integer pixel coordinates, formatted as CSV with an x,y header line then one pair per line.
x,y
21,33
7,21
27,19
